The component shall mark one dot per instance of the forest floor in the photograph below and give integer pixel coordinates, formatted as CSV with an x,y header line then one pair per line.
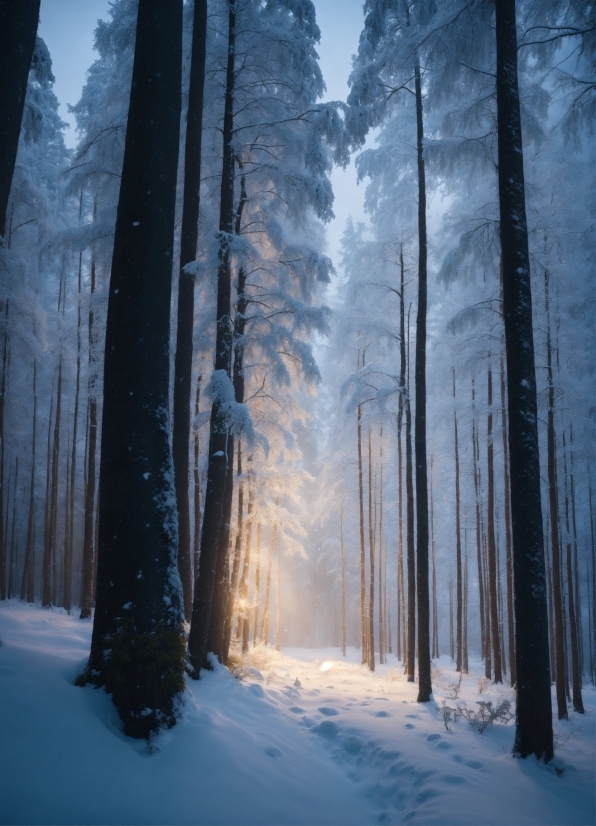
x,y
303,737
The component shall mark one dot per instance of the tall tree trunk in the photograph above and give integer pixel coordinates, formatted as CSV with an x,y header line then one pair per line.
x,y
509,549
479,554
458,569
411,547
265,627
68,546
576,686
401,617
343,582
255,635
422,600
371,553
18,28
236,559
363,628
221,443
137,649
89,527
492,548
244,623
10,587
534,734
451,624
554,524
381,560
197,484
184,335
48,596
278,602
435,630
28,581
465,665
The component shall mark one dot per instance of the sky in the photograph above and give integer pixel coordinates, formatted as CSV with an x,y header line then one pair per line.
x,y
67,26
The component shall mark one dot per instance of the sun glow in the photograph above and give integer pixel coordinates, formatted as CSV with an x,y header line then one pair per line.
x,y
326,666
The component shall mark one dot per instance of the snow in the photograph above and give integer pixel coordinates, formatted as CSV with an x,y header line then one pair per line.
x,y
303,738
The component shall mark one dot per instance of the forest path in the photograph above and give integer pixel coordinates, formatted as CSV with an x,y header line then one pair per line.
x,y
302,738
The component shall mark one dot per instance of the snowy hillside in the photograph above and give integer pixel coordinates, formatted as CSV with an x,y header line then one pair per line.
x,y
302,738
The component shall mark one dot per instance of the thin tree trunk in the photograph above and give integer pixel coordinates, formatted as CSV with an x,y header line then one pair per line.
x,y
508,546
371,549
458,569
422,600
278,602
343,582
411,549
435,630
207,595
52,501
401,618
451,630
88,567
578,704
478,524
13,548
465,665
491,546
554,524
381,561
197,484
534,733
236,558
265,627
363,628
255,636
243,590
2,445
28,581
184,335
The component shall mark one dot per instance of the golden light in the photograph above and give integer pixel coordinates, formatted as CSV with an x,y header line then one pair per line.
x,y
326,666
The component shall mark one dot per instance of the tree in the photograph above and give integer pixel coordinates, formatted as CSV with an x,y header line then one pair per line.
x,y
534,733
137,647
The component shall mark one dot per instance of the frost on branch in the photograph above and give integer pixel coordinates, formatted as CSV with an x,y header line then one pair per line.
x,y
235,415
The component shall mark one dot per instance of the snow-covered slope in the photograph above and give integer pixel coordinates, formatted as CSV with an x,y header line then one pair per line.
x,y
302,739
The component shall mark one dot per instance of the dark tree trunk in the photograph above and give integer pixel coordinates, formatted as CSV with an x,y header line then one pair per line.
x,y
88,567
343,582
236,560
48,595
278,602
491,546
458,569
553,496
28,581
184,334
401,617
478,524
371,554
10,587
451,624
211,565
68,545
509,549
382,595
221,590
410,545
534,734
435,629
422,600
137,649
465,667
18,28
576,685
197,484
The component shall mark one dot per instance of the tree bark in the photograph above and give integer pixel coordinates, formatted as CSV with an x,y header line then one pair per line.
x,y
243,591
89,544
422,600
410,545
197,484
257,586
533,709
18,28
211,564
184,334
458,567
363,628
576,686
343,582
265,626
371,555
491,546
48,595
28,580
2,450
508,547
137,649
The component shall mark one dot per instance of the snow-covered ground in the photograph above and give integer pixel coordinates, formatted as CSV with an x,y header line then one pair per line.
x,y
303,738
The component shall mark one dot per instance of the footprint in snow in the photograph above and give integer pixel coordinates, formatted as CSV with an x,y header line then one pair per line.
x,y
382,714
409,725
296,710
328,711
327,729
271,751
432,737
